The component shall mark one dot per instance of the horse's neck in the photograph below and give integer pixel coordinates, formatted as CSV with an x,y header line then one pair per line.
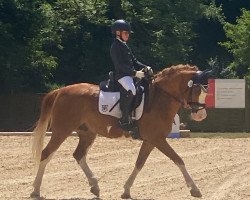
x,y
163,102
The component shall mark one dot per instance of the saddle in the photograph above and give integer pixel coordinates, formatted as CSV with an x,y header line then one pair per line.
x,y
109,85
109,98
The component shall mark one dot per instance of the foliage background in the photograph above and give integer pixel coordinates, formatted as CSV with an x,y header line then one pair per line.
x,y
46,44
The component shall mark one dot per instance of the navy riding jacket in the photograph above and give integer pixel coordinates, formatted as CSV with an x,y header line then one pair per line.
x,y
123,59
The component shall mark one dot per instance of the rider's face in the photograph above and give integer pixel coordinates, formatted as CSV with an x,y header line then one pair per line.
x,y
124,35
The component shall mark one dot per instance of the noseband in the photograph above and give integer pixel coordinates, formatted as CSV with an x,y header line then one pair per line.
x,y
196,106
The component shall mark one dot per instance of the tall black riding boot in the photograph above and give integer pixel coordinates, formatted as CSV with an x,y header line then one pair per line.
x,y
125,105
126,121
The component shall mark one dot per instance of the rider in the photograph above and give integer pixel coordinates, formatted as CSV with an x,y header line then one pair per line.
x,y
125,70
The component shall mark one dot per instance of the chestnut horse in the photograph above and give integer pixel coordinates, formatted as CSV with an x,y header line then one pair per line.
x,y
75,108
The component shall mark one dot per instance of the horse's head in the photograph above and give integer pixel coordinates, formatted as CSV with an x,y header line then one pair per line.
x,y
197,94
187,86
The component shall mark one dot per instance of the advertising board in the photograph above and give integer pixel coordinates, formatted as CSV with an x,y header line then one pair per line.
x,y
226,93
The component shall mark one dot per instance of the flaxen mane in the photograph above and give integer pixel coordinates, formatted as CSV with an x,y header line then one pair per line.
x,y
173,69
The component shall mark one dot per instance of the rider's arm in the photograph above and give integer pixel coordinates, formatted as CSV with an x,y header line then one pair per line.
x,y
138,65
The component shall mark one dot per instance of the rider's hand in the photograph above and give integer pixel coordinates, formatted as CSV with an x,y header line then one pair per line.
x,y
139,74
148,71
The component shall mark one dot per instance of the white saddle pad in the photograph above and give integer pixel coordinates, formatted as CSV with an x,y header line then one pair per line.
x,y
108,99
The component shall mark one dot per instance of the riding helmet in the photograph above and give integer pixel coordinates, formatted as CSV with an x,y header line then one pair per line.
x,y
121,25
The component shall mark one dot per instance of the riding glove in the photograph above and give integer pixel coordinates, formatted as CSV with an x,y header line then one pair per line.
x,y
139,74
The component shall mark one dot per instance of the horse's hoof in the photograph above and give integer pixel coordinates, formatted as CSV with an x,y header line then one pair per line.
x,y
95,191
125,196
35,195
195,193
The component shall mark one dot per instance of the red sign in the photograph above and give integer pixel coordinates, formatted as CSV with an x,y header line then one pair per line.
x,y
210,98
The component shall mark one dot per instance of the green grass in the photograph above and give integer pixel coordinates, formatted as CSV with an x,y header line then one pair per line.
x,y
219,135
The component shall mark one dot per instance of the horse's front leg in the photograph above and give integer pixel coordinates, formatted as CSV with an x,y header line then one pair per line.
x,y
142,157
165,148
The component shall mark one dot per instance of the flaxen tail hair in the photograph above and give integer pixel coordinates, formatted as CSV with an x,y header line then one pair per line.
x,y
42,125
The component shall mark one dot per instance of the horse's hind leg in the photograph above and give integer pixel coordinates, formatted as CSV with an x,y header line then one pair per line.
x,y
86,139
165,148
142,157
46,156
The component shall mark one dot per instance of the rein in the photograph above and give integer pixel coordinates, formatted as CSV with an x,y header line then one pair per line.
x,y
186,103
194,106
182,101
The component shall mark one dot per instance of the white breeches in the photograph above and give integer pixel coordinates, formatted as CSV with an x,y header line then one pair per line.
x,y
128,84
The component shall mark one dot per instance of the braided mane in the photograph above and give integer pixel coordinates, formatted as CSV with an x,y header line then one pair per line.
x,y
175,68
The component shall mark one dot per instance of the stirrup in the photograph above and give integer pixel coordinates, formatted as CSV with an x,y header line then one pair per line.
x,y
131,127
126,126
135,132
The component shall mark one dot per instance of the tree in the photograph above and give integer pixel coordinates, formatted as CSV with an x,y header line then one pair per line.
x,y
61,42
24,65
239,44
207,49
164,30
84,32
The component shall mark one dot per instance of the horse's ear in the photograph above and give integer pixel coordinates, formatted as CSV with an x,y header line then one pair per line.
x,y
201,77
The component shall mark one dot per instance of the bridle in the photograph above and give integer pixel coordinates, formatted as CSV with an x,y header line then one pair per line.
x,y
197,80
188,104
196,106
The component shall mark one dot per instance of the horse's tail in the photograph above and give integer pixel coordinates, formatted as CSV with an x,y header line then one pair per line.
x,y
42,125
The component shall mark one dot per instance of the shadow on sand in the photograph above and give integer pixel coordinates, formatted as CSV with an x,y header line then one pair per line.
x,y
95,198
43,198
